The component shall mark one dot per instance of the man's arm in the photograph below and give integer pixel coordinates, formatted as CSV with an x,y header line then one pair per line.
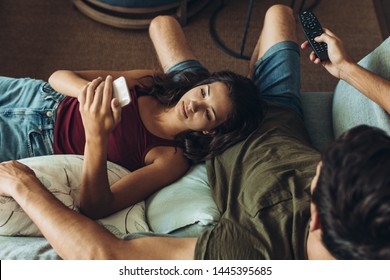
x,y
169,41
371,85
341,66
74,236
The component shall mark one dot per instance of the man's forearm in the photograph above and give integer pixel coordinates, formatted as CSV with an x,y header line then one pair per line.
x,y
371,85
72,235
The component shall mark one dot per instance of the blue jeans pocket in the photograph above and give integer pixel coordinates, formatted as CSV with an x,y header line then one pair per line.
x,y
27,116
26,133
40,141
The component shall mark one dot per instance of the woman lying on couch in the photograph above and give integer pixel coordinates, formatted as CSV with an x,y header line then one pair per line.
x,y
261,185
174,119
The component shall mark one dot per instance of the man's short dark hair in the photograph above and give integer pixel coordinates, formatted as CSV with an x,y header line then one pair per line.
x,y
353,195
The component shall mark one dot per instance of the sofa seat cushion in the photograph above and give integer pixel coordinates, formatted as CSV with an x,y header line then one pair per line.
x,y
317,112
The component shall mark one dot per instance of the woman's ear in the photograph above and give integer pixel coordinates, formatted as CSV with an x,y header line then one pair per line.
x,y
206,132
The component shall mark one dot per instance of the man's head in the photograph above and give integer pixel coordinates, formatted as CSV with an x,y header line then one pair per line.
x,y
351,199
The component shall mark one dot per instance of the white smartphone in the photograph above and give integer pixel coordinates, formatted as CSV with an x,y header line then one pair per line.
x,y
120,91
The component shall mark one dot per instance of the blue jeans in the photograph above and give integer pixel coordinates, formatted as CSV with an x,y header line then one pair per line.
x,y
27,116
276,74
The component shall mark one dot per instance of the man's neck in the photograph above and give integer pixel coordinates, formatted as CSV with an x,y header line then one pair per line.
x,y
315,248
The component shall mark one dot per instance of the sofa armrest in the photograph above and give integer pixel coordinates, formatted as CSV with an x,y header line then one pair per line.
x,y
352,108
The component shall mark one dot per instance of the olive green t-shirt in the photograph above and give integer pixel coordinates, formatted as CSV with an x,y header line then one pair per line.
x,y
262,189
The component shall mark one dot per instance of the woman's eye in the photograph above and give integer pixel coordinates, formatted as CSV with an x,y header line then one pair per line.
x,y
208,115
202,92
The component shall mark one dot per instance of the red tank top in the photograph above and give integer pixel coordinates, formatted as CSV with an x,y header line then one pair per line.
x,y
128,144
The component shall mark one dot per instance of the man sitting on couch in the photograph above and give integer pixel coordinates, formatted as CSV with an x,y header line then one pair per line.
x,y
261,186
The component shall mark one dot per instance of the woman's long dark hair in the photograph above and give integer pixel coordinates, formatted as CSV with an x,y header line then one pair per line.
x,y
247,112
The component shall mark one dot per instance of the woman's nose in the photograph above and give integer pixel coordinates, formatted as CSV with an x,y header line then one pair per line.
x,y
193,106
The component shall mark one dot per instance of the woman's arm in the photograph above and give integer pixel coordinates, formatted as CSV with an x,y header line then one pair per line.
x,y
100,115
98,199
169,41
71,83
341,66
164,166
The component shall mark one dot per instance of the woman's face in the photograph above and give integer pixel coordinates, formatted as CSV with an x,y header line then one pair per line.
x,y
205,107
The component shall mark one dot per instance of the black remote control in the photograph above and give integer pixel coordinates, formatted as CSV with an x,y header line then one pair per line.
x,y
312,28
